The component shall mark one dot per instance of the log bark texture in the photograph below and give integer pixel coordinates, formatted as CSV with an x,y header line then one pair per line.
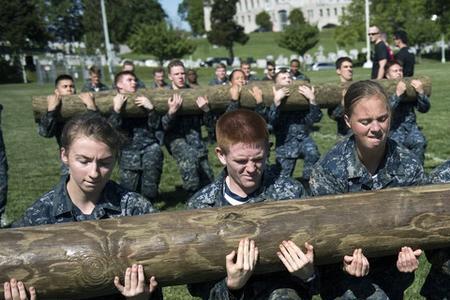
x,y
74,260
327,94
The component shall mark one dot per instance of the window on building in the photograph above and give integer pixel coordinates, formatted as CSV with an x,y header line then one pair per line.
x,y
310,14
335,11
321,12
246,4
252,4
243,20
249,18
238,7
328,12
283,18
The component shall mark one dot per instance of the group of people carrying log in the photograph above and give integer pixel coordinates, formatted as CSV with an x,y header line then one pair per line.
x,y
372,153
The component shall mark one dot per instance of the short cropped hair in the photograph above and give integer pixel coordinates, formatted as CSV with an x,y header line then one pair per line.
x,y
63,77
359,90
221,66
158,70
281,71
390,63
95,70
128,63
233,72
341,60
270,63
93,126
174,63
119,76
240,126
401,35
294,60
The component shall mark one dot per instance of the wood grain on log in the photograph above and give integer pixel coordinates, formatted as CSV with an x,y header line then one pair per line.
x,y
327,94
73,260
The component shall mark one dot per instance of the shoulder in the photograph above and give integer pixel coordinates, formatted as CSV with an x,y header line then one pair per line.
x,y
284,188
131,203
40,212
208,196
404,161
337,157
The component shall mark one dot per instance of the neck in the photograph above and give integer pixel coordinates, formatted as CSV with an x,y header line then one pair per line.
x,y
371,158
238,190
85,202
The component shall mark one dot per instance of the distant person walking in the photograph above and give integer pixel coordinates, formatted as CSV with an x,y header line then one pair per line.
x,y
380,55
405,55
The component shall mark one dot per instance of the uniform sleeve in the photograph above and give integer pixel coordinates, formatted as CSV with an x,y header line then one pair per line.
x,y
262,110
233,105
115,119
336,113
37,214
154,121
214,291
314,115
273,115
48,124
167,121
138,205
423,103
394,101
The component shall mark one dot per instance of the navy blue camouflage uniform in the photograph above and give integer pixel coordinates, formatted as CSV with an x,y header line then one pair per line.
x,y
56,207
280,285
404,129
299,76
3,170
183,140
216,81
141,159
341,171
89,87
293,141
437,283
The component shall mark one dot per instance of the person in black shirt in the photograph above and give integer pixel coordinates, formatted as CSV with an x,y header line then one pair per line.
x,y
405,54
380,55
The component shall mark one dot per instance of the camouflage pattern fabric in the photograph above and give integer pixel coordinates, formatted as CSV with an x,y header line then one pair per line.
x,y
340,171
292,137
437,283
337,114
141,159
182,137
56,206
404,129
280,285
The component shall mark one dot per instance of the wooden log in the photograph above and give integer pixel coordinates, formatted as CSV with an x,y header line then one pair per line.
x,y
74,260
328,95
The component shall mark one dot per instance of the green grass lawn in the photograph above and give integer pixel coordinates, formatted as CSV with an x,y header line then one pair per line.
x,y
260,45
34,164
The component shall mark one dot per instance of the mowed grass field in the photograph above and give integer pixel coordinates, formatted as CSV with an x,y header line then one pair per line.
x,y
34,163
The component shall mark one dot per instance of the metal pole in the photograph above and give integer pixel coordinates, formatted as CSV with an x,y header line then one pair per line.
x,y
368,63
442,48
107,43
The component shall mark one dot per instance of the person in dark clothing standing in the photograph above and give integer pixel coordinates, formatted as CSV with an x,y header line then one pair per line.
x,y
405,54
380,54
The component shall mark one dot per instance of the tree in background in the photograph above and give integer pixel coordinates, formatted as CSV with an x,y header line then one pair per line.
x,y
410,15
263,21
64,19
192,12
299,36
161,41
123,18
224,31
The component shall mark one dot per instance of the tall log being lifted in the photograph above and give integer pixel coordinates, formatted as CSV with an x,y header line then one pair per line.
x,y
328,95
74,260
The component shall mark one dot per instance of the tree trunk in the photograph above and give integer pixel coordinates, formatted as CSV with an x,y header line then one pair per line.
x,y
327,95
74,260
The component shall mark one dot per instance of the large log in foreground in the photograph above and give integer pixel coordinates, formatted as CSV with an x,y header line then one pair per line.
x,y
328,95
79,259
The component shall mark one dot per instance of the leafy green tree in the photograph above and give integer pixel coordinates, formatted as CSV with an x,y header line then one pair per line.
x,y
22,25
123,18
192,12
263,21
161,41
63,19
224,31
299,36
296,17
440,9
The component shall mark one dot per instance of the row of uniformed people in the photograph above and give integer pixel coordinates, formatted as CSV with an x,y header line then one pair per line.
x,y
365,160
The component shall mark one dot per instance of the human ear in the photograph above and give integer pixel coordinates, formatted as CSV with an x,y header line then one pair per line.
x,y
347,121
64,155
221,156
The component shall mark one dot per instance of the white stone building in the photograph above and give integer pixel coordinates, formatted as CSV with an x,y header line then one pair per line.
x,y
322,13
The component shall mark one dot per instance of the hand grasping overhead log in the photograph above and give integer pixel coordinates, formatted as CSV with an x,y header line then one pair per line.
x,y
69,259
327,95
